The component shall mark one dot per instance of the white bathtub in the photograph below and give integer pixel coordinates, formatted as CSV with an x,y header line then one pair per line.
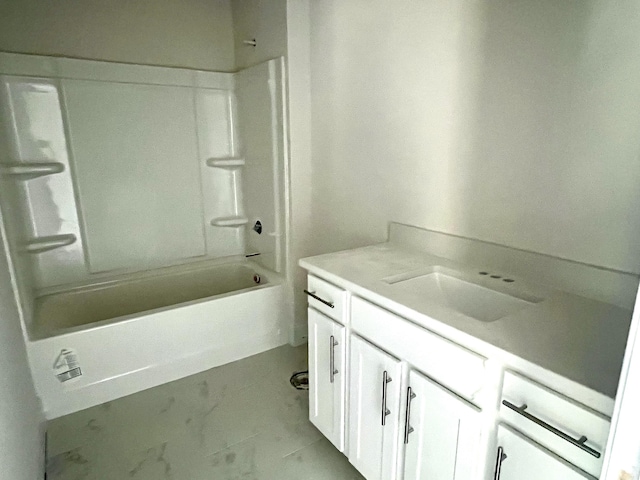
x,y
137,333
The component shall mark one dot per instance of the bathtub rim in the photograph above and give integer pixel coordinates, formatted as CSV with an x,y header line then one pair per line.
x,y
37,333
158,272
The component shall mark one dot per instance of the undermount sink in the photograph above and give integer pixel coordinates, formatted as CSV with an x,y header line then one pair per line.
x,y
457,291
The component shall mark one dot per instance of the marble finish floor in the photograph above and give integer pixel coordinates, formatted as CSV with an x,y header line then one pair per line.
x,y
239,421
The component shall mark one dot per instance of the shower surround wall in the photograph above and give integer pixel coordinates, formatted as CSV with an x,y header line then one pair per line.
x,y
157,172
115,170
263,130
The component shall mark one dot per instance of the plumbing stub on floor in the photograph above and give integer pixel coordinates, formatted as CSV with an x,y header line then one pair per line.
x,y
300,380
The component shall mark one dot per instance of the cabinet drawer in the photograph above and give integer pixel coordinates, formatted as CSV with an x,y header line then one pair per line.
x,y
522,459
455,367
327,298
553,420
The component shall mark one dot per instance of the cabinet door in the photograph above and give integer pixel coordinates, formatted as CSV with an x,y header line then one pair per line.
x,y
327,377
446,433
374,404
522,459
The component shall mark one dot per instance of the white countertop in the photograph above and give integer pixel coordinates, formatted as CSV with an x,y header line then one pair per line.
x,y
577,338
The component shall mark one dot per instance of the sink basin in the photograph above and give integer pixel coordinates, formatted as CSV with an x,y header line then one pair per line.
x,y
454,290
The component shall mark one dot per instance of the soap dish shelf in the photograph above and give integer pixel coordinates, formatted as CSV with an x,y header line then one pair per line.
x,y
28,171
226,162
44,244
229,221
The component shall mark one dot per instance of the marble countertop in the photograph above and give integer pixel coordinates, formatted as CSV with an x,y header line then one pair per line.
x,y
575,337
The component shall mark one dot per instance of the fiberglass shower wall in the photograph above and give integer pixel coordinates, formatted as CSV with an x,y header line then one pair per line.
x,y
113,168
261,122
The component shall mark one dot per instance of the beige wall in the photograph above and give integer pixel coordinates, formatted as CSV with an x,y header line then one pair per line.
x,y
264,20
511,121
187,33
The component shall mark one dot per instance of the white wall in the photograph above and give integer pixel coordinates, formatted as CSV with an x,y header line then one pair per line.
x,y
511,121
264,20
21,418
188,33
300,167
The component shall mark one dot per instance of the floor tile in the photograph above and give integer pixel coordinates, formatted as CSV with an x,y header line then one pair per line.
x,y
240,421
311,462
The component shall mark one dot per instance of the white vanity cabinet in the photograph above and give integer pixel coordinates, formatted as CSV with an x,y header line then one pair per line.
x,y
327,373
405,402
519,458
374,410
441,433
440,430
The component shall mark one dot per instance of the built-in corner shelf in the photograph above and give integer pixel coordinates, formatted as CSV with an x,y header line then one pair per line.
x,y
27,171
229,221
226,162
44,244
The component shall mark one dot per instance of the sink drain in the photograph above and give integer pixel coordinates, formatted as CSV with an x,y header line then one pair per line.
x,y
300,380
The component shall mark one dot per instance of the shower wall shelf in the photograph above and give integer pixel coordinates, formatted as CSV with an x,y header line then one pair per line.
x,y
28,171
229,221
44,244
225,162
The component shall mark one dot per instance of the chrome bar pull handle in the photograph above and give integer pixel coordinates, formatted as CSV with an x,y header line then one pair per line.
x,y
322,300
332,358
385,411
407,426
501,457
578,442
